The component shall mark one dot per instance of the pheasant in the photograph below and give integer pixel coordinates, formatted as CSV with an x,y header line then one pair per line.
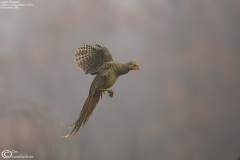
x,y
97,60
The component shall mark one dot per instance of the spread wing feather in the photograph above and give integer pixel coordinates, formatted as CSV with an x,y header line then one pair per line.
x,y
90,58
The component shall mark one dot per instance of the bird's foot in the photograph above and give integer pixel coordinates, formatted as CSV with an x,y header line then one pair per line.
x,y
110,92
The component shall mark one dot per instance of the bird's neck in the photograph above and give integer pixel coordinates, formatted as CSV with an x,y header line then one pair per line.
x,y
122,69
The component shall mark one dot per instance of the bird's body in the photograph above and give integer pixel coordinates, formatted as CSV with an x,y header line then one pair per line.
x,y
97,60
108,75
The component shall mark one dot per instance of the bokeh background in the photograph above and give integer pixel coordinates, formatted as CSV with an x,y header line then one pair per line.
x,y
183,104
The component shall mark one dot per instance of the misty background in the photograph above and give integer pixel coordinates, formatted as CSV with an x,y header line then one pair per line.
x,y
183,104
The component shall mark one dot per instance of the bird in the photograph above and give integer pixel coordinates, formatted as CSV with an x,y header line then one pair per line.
x,y
97,60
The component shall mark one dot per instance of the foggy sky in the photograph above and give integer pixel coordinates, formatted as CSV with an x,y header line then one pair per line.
x,y
182,104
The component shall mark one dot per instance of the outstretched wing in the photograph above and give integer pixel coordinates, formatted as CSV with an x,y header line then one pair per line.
x,y
90,58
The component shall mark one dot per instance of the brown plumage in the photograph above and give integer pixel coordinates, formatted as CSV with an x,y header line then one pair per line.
x,y
97,60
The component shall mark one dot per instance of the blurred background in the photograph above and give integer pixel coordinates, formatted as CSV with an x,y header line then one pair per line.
x,y
183,104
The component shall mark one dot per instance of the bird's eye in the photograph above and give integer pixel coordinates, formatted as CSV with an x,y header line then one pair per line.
x,y
135,65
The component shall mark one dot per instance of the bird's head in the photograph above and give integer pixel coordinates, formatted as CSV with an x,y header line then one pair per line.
x,y
133,65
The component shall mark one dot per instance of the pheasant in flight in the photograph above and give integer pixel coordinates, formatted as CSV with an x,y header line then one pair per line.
x,y
97,60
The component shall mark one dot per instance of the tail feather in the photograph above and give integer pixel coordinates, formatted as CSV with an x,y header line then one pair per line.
x,y
86,112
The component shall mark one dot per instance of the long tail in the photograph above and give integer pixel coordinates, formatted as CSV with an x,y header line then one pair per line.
x,y
86,112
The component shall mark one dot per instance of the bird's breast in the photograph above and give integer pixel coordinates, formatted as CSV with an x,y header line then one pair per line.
x,y
110,81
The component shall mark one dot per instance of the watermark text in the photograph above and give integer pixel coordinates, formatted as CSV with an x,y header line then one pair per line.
x,y
14,154
7,4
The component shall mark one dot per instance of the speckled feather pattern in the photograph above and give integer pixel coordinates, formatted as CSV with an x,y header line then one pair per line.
x,y
90,58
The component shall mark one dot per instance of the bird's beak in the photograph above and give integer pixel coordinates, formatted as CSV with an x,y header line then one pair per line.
x,y
138,68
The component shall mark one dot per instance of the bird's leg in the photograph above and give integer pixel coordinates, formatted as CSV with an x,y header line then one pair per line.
x,y
110,92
